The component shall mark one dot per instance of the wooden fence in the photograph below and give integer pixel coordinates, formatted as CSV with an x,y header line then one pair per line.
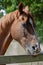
x,y
20,59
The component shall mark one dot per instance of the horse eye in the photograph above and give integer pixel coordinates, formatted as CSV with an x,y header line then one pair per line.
x,y
22,18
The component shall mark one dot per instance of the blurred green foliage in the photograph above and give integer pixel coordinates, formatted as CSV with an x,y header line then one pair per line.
x,y
36,8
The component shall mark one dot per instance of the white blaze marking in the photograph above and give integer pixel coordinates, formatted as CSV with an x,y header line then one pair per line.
x,y
30,20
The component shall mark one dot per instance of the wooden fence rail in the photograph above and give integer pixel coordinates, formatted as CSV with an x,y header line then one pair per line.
x,y
20,59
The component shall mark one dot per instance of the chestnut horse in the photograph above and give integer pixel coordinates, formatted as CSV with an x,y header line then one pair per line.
x,y
19,25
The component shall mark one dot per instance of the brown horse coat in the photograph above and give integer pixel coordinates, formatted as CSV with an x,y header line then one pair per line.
x,y
8,27
5,25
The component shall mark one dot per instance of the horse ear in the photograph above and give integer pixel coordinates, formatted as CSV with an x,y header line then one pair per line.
x,y
26,9
20,7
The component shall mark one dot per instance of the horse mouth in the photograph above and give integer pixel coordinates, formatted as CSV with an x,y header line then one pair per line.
x,y
36,52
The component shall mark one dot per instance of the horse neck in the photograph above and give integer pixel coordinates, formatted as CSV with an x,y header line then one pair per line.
x,y
5,39
5,44
5,25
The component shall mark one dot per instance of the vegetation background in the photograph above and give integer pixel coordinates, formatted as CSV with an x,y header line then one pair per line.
x,y
36,8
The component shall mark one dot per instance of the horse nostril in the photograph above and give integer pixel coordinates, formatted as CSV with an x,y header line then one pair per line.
x,y
33,47
36,45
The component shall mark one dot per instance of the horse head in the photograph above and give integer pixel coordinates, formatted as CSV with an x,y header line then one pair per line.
x,y
23,31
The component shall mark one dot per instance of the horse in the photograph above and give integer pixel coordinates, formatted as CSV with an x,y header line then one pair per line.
x,y
19,25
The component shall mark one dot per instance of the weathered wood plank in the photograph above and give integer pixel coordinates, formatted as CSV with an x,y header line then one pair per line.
x,y
20,59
